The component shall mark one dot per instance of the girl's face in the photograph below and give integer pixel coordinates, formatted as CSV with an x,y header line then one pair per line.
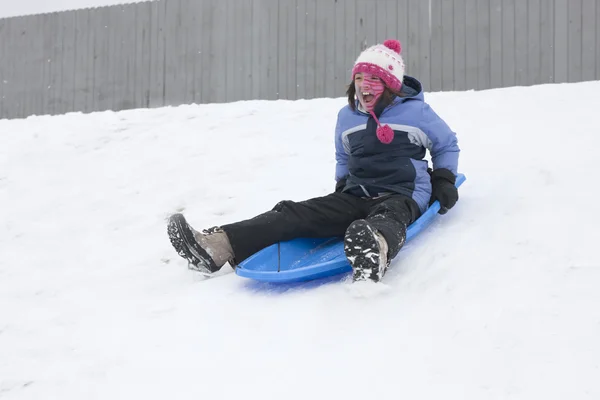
x,y
368,90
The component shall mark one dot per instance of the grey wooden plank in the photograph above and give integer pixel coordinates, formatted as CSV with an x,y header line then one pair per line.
x,y
258,72
301,50
86,29
271,49
89,89
471,48
508,43
157,60
291,52
80,64
381,15
101,90
184,95
20,74
12,79
311,44
534,42
423,43
561,46
574,45
219,54
390,22
597,41
352,48
260,49
254,64
447,46
403,35
9,61
285,8
365,21
327,37
341,66
3,68
46,60
205,52
230,39
14,75
460,46
360,23
193,9
124,52
320,71
173,62
589,27
546,42
437,46
411,45
521,43
39,64
27,65
483,45
103,86
96,36
55,64
69,62
65,60
496,43
370,22
110,15
188,53
323,75
341,74
26,71
129,53
143,54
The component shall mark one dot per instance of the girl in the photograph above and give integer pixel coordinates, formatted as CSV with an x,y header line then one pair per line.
x,y
383,181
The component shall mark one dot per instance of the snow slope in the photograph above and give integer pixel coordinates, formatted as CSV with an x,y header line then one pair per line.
x,y
499,299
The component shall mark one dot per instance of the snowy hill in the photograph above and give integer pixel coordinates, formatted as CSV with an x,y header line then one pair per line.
x,y
499,299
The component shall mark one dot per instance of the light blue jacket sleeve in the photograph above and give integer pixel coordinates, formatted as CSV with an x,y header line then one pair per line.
x,y
444,144
341,158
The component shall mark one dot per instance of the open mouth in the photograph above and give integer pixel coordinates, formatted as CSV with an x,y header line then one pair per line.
x,y
368,98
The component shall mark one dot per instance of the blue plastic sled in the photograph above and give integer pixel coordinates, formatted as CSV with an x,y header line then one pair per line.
x,y
305,259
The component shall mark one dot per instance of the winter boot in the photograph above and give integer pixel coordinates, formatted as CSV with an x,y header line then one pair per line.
x,y
366,250
205,251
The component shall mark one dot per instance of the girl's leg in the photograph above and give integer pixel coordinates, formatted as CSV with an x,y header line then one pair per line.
x,y
372,242
391,216
327,216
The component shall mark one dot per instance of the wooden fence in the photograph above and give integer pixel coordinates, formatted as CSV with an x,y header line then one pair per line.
x,y
171,52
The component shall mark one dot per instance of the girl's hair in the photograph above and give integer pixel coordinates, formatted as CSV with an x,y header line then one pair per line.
x,y
386,97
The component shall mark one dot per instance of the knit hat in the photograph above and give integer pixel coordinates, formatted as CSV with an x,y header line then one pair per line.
x,y
385,62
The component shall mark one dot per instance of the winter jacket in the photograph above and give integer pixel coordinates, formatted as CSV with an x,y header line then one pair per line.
x,y
372,168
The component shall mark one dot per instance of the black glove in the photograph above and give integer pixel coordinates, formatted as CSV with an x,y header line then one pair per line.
x,y
340,185
443,189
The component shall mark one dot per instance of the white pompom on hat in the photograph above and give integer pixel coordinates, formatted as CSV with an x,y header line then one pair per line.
x,y
384,61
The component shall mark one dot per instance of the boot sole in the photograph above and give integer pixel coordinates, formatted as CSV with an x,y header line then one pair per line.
x,y
362,251
182,239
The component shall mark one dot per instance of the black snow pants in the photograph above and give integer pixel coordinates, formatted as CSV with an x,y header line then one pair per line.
x,y
322,217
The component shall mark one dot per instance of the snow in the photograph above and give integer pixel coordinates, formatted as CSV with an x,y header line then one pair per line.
x,y
498,299
29,7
